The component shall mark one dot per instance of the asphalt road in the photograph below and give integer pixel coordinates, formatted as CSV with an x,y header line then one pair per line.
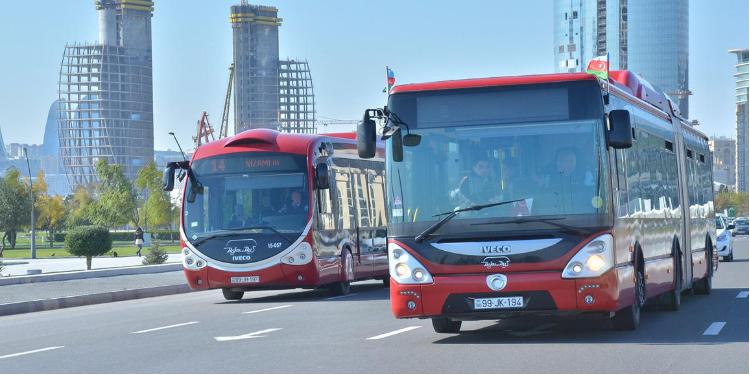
x,y
307,331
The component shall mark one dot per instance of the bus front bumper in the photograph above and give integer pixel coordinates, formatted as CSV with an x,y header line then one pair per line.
x,y
278,276
543,293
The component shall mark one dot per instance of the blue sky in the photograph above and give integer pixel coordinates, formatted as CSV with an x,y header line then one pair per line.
x,y
347,43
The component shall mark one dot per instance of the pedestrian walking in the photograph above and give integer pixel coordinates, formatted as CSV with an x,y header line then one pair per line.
x,y
139,240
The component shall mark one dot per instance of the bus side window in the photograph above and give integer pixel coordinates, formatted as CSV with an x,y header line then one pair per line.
x,y
622,184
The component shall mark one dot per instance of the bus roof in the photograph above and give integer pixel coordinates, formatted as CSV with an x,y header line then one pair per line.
x,y
492,82
265,140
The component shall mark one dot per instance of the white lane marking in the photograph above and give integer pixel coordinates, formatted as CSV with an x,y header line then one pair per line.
x,y
396,332
714,329
742,294
344,296
252,335
268,309
31,352
165,327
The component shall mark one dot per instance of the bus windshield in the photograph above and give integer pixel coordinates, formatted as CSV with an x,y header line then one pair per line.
x,y
543,146
247,192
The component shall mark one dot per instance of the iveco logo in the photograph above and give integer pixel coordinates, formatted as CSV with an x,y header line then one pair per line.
x,y
497,282
240,246
495,249
490,262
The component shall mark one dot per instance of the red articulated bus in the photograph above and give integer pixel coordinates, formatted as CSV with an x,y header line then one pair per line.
x,y
269,210
553,194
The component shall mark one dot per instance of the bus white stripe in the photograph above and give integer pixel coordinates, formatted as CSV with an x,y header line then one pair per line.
x,y
714,328
396,332
268,309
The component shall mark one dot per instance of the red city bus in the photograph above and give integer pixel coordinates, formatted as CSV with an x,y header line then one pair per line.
x,y
550,194
269,210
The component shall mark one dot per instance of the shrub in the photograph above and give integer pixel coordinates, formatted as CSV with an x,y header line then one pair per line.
x,y
88,241
155,255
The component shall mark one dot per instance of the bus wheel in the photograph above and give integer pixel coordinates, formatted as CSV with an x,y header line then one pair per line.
x,y
673,298
629,318
445,325
343,287
387,282
230,295
704,285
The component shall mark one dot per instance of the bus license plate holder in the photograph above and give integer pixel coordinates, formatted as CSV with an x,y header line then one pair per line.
x,y
498,303
244,279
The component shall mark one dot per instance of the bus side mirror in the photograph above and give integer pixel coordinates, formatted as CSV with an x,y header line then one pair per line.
x,y
730,226
366,137
322,181
397,146
167,181
620,134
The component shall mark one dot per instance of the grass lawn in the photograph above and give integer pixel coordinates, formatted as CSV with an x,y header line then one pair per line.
x,y
43,249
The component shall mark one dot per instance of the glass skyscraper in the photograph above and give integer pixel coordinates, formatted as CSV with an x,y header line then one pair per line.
x,y
741,94
647,37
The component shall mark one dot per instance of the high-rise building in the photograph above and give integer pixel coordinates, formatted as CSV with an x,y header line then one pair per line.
x,y
106,94
255,30
725,167
741,94
268,92
647,37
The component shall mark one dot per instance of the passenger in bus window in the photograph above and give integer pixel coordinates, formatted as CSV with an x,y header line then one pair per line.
x,y
236,220
295,205
567,182
266,208
480,186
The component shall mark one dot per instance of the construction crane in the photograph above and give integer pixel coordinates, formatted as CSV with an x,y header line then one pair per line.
x,y
205,132
224,128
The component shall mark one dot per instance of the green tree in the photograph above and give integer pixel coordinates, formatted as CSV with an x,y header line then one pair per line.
x,y
15,206
77,208
88,241
51,215
155,255
157,209
115,203
728,199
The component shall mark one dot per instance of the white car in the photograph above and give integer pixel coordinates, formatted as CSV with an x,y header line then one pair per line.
x,y
724,242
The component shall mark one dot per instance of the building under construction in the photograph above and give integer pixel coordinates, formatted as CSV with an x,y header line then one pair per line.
x,y
106,94
268,92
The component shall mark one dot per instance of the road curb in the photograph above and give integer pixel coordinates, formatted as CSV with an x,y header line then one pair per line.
x,y
90,299
78,275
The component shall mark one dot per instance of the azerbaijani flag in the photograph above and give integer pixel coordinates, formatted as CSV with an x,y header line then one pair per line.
x,y
390,77
599,66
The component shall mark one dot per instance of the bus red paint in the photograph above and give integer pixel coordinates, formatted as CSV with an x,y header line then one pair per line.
x,y
269,210
553,194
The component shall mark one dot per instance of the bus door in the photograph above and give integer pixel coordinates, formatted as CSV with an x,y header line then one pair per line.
x,y
353,222
685,245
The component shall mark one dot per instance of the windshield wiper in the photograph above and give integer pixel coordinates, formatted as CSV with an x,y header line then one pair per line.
x,y
452,214
239,231
547,220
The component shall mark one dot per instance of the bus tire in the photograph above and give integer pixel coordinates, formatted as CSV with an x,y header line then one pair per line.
x,y
445,325
231,295
386,282
629,318
343,287
704,285
673,298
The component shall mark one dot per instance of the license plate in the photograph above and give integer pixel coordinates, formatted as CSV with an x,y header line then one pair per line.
x,y
245,279
498,303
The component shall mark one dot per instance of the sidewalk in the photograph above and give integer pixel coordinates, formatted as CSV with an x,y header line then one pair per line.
x,y
64,282
31,297
18,267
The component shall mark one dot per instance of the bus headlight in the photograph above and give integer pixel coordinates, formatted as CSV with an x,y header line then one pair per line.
x,y
192,261
405,269
593,260
302,254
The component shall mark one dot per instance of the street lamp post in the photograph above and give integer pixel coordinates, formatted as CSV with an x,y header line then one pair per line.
x,y
33,218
